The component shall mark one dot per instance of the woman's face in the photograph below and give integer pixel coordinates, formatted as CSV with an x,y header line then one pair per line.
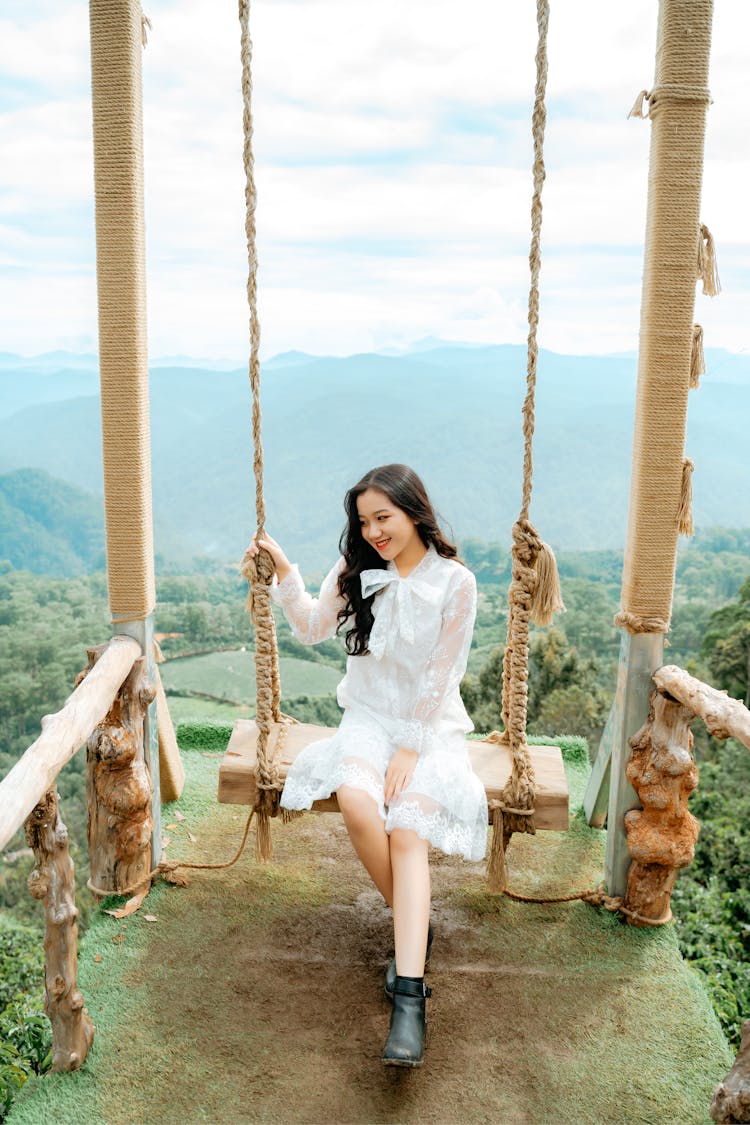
x,y
388,529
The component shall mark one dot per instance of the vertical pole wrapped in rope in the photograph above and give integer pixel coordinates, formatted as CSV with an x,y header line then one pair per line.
x,y
259,571
116,50
677,248
534,590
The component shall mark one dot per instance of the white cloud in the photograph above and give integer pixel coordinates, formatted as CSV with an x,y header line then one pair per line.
x,y
392,162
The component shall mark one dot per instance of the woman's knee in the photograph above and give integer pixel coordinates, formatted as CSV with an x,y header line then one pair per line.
x,y
356,804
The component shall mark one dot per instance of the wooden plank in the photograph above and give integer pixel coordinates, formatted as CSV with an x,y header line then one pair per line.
x,y
490,761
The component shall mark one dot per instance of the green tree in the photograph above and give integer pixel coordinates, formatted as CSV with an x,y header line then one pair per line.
x,y
726,645
565,696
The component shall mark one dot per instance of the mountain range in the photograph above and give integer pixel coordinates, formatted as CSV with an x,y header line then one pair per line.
x,y
453,412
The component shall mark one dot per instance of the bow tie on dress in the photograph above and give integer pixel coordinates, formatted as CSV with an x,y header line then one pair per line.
x,y
395,618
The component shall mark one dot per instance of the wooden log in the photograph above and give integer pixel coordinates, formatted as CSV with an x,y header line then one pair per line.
x,y
171,768
731,1100
63,733
118,787
143,631
52,882
724,716
661,836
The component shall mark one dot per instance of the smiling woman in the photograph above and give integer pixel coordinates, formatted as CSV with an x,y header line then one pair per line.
x,y
398,763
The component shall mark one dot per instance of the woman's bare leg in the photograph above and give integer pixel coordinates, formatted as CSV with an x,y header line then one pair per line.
x,y
367,833
411,900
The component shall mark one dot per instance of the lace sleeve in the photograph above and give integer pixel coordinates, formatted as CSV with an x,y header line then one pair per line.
x,y
446,664
310,619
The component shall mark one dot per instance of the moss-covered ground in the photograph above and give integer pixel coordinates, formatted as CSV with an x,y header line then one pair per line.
x,y
256,994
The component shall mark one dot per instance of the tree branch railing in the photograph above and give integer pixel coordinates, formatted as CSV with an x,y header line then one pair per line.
x,y
63,734
723,716
28,796
661,835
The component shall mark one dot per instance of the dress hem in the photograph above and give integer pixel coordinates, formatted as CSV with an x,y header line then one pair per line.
x,y
304,804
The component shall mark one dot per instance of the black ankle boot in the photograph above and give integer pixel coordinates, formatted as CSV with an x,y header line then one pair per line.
x,y
405,1043
390,972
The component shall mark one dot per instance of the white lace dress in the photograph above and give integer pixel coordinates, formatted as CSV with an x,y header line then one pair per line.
x,y
403,693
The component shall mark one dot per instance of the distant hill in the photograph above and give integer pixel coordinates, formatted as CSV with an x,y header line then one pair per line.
x,y
48,526
453,412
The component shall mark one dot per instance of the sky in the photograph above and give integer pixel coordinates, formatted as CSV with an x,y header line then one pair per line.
x,y
393,157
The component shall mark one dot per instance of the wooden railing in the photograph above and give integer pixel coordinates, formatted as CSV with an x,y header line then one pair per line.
x,y
28,796
63,734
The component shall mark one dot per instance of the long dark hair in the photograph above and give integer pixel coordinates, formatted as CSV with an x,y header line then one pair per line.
x,y
405,490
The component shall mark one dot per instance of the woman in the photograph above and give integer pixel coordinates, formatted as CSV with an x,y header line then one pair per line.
x,y
398,762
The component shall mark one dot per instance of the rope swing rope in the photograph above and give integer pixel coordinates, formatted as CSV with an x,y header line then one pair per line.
x,y
534,593
259,571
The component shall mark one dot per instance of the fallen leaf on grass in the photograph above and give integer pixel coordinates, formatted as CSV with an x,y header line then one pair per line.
x,y
170,826
149,918
179,815
98,958
132,904
192,838
165,841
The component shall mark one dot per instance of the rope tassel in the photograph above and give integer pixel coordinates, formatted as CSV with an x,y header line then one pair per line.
x,y
685,510
546,600
697,358
263,841
707,268
497,871
637,110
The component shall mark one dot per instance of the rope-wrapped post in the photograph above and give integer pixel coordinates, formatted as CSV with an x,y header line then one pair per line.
x,y
260,570
535,588
116,49
677,252
117,28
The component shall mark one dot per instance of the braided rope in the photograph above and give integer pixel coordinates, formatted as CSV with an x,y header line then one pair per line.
x,y
259,571
538,124
518,794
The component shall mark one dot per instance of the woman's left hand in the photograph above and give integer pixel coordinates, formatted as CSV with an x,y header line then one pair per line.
x,y
399,773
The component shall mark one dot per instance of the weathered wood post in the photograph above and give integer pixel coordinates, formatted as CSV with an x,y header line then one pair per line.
x,y
731,1100
678,104
118,786
52,882
661,835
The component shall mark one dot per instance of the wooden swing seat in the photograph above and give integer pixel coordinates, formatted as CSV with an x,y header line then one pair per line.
x,y
490,761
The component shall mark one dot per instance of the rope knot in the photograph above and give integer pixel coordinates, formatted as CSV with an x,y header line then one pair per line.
x,y
258,571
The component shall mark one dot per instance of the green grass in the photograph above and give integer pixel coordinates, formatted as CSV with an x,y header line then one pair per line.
x,y
231,675
186,709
